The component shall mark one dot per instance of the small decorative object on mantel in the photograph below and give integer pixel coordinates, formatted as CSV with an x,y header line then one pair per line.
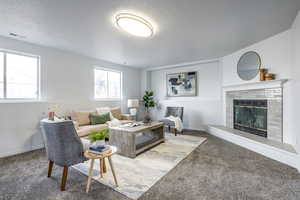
x,y
262,73
269,77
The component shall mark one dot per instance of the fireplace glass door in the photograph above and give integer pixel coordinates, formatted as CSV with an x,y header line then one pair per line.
x,y
251,116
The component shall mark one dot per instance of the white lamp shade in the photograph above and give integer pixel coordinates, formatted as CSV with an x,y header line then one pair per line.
x,y
133,103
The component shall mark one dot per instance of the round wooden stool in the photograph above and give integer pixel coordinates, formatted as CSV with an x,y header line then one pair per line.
x,y
101,157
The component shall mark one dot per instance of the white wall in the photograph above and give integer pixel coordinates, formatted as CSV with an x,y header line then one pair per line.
x,y
276,55
199,111
66,79
296,82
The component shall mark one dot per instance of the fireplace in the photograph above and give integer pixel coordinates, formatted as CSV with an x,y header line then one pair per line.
x,y
251,116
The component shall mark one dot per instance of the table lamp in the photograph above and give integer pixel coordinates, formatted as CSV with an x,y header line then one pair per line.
x,y
133,104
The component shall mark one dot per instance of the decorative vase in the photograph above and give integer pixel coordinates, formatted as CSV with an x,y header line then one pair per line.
x,y
270,77
100,142
147,118
262,73
51,116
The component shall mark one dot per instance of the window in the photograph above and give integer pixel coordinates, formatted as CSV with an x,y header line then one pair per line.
x,y
19,76
107,84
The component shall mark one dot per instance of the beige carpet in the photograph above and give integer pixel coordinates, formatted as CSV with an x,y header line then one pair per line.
x,y
136,176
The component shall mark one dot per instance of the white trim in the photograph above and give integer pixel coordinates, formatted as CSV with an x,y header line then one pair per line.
x,y
248,86
19,150
7,101
108,99
21,53
186,64
255,85
272,152
38,95
4,76
107,69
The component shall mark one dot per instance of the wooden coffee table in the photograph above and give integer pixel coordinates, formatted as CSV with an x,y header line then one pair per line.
x,y
131,141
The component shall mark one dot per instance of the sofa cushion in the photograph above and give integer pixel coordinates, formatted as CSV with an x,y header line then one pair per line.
x,y
102,110
99,119
116,113
82,117
86,130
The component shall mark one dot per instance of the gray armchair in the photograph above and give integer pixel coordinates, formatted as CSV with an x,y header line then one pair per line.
x,y
63,146
173,111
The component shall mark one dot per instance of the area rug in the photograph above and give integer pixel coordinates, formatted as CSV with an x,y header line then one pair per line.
x,y
136,176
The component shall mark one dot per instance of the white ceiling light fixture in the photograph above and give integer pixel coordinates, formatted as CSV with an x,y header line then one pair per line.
x,y
134,25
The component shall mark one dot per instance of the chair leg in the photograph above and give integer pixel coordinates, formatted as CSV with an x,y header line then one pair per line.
x,y
50,166
64,179
104,166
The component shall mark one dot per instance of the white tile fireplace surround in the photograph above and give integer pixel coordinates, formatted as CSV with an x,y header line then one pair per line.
x,y
273,96
272,145
271,91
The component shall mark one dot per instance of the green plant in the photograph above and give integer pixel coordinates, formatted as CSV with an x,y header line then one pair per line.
x,y
148,100
99,135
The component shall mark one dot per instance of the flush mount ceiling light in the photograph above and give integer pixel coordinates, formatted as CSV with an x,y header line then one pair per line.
x,y
134,25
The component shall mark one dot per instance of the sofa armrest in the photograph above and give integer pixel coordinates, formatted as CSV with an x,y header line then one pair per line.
x,y
126,117
76,125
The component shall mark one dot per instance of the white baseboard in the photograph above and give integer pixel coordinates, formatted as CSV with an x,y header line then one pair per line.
x,y
283,156
15,151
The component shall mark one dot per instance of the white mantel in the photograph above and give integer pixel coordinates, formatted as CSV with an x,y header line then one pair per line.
x,y
255,85
249,86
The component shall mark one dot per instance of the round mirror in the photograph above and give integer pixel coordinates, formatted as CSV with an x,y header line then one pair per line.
x,y
248,65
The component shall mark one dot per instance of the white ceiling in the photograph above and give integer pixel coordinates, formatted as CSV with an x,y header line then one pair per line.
x,y
186,30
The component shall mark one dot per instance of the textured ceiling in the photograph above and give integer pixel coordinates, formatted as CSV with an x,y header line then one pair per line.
x,y
186,30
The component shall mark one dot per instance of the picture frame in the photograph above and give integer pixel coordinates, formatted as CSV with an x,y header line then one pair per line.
x,y
182,84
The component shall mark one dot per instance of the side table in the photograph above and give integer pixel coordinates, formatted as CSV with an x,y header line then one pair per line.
x,y
101,157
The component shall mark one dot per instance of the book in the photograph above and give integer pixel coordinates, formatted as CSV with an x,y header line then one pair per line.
x,y
101,149
102,152
97,148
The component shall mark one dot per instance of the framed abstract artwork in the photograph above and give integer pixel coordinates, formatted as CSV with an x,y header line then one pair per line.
x,y
182,84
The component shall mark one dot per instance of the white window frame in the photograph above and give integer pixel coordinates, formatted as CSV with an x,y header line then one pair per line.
x,y
4,98
121,85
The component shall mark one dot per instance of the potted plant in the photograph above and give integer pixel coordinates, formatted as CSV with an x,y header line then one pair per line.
x,y
99,137
148,99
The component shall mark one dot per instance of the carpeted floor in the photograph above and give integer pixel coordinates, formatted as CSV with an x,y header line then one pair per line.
x,y
215,170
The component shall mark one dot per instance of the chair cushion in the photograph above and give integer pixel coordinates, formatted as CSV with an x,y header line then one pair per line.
x,y
99,119
86,130
168,122
82,117
116,113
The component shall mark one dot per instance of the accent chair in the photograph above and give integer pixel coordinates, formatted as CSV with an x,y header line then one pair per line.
x,y
173,111
63,146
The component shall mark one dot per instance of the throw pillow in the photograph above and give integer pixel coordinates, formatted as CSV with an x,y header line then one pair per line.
x,y
82,117
99,119
116,113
